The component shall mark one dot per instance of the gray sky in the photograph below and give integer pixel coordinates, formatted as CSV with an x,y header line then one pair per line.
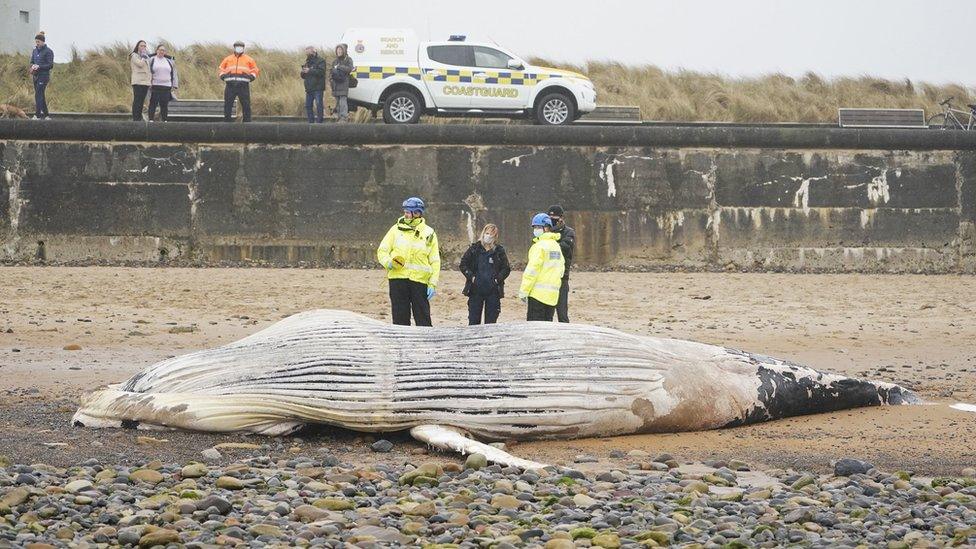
x,y
929,40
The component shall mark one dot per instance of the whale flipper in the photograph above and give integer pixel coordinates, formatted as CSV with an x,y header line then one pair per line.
x,y
451,439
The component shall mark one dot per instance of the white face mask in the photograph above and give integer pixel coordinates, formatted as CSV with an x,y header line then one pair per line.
x,y
488,239
239,49
537,232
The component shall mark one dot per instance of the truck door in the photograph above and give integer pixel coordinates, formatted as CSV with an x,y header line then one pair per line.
x,y
447,73
503,87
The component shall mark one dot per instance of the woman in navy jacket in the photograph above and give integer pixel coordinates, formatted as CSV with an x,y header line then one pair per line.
x,y
485,267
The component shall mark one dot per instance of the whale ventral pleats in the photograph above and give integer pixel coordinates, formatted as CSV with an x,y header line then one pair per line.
x,y
515,381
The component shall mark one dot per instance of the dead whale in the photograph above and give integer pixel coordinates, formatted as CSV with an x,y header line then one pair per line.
x,y
492,382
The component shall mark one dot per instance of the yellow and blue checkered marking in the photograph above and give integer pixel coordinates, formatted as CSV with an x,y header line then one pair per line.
x,y
379,73
505,78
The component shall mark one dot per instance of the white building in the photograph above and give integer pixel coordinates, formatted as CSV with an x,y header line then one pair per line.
x,y
20,21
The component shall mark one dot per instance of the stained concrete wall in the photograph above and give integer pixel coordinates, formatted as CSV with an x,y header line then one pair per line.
x,y
650,202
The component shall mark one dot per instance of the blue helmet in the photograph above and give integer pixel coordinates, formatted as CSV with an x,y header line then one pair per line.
x,y
414,205
541,220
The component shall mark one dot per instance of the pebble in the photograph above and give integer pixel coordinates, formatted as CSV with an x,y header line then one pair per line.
x,y
289,500
847,467
608,541
584,501
211,454
476,462
25,479
334,504
159,537
382,446
229,483
148,476
505,501
424,509
738,465
130,535
76,486
194,470
220,504
265,530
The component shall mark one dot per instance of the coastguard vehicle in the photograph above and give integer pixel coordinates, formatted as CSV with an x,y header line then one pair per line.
x,y
405,78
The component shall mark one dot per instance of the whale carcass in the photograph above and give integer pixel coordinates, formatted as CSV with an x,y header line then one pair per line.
x,y
516,381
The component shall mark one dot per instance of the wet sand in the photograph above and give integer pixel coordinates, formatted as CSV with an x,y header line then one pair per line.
x,y
919,331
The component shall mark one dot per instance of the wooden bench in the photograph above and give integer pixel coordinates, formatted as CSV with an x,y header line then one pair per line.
x,y
614,114
881,118
199,109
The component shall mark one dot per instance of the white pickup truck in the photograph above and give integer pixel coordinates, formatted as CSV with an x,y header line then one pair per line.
x,y
406,78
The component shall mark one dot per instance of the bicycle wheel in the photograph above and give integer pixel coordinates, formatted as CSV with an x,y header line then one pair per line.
x,y
938,122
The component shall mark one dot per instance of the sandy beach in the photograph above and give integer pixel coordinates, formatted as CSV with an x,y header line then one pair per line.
x,y
919,331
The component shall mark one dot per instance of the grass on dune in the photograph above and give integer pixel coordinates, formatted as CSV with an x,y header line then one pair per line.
x,y
98,81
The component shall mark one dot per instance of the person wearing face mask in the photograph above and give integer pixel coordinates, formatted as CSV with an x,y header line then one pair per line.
x,y
141,78
342,67
543,272
567,241
485,267
164,81
411,256
238,70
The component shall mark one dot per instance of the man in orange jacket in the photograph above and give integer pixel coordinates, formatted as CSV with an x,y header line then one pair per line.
x,y
238,70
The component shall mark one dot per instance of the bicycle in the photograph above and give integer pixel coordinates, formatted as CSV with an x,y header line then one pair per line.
x,y
948,119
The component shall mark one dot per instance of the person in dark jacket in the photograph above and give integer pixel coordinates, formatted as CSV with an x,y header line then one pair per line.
x,y
313,73
342,67
42,61
485,267
567,242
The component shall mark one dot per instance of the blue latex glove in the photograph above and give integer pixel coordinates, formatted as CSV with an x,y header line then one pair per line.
x,y
389,266
430,293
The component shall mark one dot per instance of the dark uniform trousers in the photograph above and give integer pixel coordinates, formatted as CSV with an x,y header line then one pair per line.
x,y
562,307
237,90
539,311
407,295
491,304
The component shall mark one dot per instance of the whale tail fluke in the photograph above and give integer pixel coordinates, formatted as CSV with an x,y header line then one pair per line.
x,y
787,389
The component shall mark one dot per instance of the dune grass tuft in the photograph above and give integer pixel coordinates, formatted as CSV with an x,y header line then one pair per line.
x,y
97,80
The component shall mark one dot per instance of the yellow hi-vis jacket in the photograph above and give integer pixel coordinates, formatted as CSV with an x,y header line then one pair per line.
x,y
543,274
411,247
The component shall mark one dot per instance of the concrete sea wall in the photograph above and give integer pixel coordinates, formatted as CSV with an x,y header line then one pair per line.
x,y
651,197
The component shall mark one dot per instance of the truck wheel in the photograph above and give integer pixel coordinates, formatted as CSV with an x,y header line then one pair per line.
x,y
402,107
555,109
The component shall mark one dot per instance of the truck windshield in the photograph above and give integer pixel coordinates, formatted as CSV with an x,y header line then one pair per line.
x,y
489,58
